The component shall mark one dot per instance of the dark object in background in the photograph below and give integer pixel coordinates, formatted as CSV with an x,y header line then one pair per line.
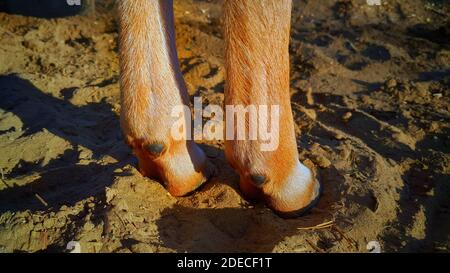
x,y
439,34
46,8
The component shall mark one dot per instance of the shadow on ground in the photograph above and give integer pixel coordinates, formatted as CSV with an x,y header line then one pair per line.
x,y
63,180
43,8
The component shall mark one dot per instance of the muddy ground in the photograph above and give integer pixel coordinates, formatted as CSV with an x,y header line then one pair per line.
x,y
370,93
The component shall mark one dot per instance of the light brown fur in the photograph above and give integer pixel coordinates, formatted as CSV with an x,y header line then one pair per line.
x,y
151,85
257,65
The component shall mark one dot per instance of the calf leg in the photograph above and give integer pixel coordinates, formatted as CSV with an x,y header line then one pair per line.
x,y
257,64
151,87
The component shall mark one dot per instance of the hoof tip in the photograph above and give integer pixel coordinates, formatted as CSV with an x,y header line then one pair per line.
x,y
303,211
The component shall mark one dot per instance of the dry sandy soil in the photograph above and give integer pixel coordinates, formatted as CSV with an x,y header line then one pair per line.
x,y
370,93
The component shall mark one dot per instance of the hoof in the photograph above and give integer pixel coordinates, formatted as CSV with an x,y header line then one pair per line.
x,y
303,211
296,196
182,167
292,196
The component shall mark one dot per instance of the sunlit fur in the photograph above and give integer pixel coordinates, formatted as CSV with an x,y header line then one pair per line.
x,y
151,86
257,64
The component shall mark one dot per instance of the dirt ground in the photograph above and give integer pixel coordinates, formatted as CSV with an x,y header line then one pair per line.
x,y
370,93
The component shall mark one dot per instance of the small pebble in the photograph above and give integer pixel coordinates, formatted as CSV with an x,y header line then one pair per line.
x,y
345,153
339,136
347,116
322,161
392,83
